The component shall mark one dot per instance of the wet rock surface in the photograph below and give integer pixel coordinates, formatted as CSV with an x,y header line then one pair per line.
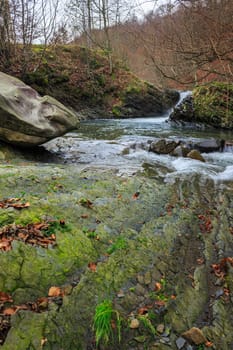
x,y
159,252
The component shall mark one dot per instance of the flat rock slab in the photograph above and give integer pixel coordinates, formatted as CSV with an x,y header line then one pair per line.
x,y
26,118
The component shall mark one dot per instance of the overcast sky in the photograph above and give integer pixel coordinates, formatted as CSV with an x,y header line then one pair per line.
x,y
144,6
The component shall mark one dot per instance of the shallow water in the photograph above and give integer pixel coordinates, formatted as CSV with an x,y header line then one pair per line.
x,y
124,145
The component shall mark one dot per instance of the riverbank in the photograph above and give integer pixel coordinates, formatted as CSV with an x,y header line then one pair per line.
x,y
81,79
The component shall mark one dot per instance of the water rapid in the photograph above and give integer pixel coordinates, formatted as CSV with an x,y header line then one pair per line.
x,y
124,144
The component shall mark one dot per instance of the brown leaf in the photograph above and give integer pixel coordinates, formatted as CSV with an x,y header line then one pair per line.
x,y
21,307
209,344
86,203
160,303
92,266
84,216
158,286
10,311
135,195
21,205
5,297
144,309
54,292
5,244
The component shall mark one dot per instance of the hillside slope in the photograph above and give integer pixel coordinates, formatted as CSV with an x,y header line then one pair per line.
x,y
81,79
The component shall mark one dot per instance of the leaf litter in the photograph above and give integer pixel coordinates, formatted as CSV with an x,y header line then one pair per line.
x,y
7,307
36,234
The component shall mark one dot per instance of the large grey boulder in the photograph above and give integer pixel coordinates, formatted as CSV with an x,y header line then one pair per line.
x,y
26,118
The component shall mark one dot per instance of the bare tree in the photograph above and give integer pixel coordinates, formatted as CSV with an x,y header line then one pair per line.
x,y
5,32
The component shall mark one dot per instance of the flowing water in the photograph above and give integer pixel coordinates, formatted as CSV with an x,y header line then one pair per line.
x,y
124,145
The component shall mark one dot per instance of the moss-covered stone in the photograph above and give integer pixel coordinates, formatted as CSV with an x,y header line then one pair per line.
x,y
119,248
210,105
213,104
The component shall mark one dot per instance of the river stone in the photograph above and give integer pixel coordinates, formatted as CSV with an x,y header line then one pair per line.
x,y
181,151
207,146
26,118
163,146
194,154
195,336
180,342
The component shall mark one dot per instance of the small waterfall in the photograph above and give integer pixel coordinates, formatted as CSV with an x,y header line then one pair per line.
x,y
183,95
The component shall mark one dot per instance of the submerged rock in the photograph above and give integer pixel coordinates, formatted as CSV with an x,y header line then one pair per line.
x,y
26,118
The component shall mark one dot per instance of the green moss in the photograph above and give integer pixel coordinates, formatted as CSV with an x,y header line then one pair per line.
x,y
116,111
213,104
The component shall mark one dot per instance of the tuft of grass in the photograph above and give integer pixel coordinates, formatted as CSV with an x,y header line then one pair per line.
x,y
148,324
120,244
105,317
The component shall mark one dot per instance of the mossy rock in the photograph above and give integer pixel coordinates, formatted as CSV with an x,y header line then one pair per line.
x,y
213,104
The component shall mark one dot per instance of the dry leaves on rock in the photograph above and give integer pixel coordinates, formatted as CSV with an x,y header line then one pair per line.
x,y
13,203
34,234
220,269
205,223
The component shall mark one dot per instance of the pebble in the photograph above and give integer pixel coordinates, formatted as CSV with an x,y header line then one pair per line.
x,y
147,278
180,342
160,328
219,293
195,335
189,347
165,341
139,290
121,294
140,279
134,323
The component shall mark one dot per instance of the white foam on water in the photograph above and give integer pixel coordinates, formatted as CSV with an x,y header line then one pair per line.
x,y
225,176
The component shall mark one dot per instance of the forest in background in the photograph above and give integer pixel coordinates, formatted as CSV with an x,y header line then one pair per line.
x,y
180,43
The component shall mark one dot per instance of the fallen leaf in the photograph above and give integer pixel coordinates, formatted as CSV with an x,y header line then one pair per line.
x,y
86,203
158,286
209,344
136,195
21,205
13,203
21,307
92,266
10,311
54,292
5,297
84,216
144,310
5,244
